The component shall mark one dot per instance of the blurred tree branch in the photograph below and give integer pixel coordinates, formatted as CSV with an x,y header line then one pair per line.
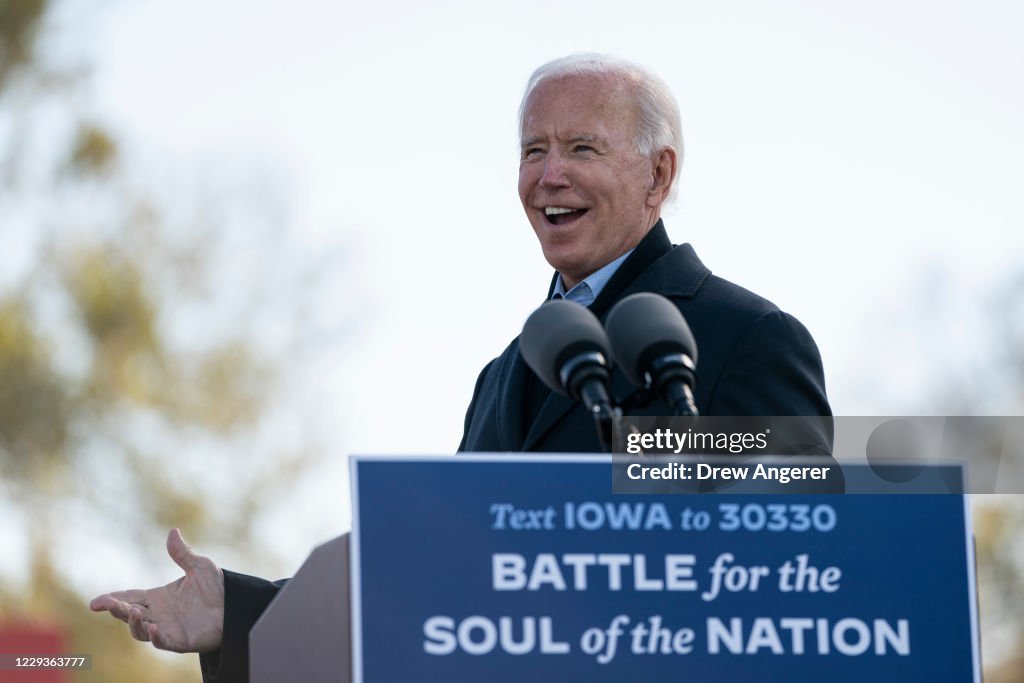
x,y
19,23
130,386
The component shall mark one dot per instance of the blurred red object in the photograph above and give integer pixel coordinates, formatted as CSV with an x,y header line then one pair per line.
x,y
31,640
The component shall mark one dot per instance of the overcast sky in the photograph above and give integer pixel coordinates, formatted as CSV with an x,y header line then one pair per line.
x,y
838,155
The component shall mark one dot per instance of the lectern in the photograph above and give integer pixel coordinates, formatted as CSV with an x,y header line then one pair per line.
x,y
519,568
304,633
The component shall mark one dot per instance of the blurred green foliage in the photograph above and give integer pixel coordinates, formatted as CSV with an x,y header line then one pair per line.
x,y
86,355
35,408
19,21
94,151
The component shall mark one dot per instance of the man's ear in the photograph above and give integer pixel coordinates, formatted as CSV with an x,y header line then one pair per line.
x,y
666,165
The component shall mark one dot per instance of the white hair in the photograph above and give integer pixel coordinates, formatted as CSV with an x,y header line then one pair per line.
x,y
659,114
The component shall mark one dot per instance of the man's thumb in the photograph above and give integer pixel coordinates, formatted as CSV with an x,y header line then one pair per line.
x,y
180,551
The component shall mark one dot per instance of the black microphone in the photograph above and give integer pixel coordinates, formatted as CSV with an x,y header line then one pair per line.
x,y
565,345
655,348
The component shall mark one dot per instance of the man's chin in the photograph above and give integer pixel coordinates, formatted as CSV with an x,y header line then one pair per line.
x,y
572,271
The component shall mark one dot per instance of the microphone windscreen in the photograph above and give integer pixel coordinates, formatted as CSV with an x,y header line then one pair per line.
x,y
644,325
554,333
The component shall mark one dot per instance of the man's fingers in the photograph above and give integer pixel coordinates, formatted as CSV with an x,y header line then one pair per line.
x,y
159,642
155,637
119,603
180,551
136,618
132,597
138,627
101,603
111,604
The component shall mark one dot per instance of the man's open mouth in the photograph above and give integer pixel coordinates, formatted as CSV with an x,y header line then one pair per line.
x,y
560,215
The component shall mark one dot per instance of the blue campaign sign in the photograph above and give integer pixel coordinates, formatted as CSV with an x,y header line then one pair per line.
x,y
528,568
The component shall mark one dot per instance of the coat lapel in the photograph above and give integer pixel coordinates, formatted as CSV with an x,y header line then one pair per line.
x,y
638,273
511,399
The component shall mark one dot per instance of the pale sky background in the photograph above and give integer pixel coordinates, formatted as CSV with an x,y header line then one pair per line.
x,y
840,158
837,156
859,164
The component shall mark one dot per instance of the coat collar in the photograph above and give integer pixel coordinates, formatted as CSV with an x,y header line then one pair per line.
x,y
654,266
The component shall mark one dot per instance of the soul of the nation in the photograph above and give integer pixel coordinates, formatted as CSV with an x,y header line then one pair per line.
x,y
850,636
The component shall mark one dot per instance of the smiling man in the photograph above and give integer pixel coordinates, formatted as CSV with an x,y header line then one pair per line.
x,y
600,153
590,190
601,148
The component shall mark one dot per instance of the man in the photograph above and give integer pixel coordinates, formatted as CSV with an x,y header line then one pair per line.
x,y
600,155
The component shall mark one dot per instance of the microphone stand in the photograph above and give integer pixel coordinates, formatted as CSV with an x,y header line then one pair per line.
x,y
675,375
587,377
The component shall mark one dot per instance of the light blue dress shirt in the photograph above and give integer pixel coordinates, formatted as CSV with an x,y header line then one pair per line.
x,y
587,290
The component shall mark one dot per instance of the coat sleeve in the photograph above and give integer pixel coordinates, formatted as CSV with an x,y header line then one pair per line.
x,y
774,368
245,599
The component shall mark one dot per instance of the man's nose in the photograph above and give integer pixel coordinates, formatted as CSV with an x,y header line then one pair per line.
x,y
556,172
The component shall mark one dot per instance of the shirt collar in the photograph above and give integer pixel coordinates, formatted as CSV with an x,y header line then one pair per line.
x,y
587,290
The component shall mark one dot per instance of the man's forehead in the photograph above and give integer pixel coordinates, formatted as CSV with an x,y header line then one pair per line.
x,y
567,136
579,105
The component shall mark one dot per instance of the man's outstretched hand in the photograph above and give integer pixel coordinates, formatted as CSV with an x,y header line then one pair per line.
x,y
186,615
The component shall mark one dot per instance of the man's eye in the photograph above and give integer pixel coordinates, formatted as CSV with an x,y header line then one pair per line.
x,y
532,152
583,148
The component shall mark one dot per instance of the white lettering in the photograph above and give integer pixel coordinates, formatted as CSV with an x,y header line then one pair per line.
x,y
440,639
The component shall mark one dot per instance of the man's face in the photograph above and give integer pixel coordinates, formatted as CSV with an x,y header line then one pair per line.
x,y
585,189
